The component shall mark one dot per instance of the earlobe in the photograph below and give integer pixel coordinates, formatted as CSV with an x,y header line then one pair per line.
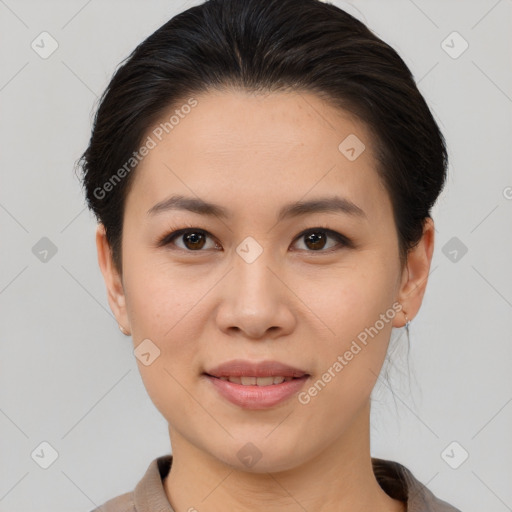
x,y
415,274
113,281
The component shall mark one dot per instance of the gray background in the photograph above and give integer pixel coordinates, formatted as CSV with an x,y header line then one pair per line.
x,y
68,377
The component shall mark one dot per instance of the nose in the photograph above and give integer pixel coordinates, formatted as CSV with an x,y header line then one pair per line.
x,y
256,302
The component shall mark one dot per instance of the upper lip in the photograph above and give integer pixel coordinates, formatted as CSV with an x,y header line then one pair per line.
x,y
242,368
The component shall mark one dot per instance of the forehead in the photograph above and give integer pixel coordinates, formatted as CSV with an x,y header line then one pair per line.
x,y
253,149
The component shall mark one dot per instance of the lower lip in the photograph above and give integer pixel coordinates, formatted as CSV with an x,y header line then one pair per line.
x,y
257,397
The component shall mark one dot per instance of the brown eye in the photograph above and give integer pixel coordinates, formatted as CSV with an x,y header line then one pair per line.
x,y
196,240
316,240
193,240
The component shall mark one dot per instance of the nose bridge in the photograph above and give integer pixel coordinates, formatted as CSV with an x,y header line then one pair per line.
x,y
255,305
254,282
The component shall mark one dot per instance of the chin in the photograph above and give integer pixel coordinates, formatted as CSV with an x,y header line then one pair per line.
x,y
260,454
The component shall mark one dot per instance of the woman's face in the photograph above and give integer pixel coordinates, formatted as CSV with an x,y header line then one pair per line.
x,y
265,282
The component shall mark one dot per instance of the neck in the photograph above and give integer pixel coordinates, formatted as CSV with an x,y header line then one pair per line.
x,y
338,478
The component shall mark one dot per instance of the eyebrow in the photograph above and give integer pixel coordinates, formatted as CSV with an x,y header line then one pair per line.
x,y
333,204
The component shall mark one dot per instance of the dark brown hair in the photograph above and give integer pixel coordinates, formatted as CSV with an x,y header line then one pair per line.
x,y
269,45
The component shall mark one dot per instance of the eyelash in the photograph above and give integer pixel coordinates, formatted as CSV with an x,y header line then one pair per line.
x,y
343,241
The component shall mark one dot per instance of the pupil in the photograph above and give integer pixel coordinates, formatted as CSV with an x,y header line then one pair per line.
x,y
316,240
193,239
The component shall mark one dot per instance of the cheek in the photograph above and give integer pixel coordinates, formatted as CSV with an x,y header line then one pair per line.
x,y
163,307
157,295
167,316
165,311
352,299
355,306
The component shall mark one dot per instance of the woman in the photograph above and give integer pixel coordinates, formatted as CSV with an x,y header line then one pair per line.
x,y
263,173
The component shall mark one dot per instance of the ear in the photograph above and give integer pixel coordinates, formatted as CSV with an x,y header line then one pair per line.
x,y
415,275
113,281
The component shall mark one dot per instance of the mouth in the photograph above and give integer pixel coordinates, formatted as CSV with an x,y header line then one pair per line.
x,y
257,381
256,385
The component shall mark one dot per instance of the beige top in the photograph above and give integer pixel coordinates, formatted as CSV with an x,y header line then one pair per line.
x,y
395,479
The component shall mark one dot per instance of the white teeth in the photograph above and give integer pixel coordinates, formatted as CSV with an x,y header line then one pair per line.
x,y
257,381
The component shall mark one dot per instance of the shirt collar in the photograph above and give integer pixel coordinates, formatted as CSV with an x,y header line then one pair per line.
x,y
394,478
